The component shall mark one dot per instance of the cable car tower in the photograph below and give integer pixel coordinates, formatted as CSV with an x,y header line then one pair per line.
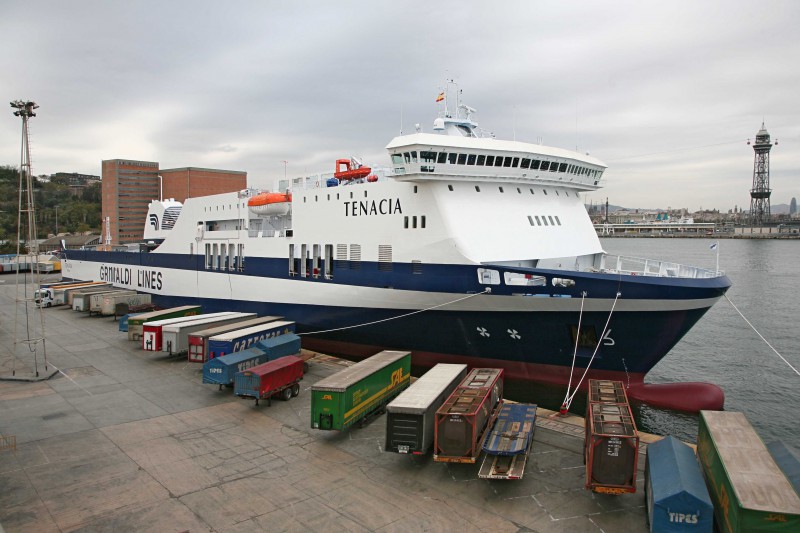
x,y
29,318
759,194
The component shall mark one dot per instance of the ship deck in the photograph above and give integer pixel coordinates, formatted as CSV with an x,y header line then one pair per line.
x,y
130,440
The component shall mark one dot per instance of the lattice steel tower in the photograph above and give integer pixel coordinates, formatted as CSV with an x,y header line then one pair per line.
x,y
759,194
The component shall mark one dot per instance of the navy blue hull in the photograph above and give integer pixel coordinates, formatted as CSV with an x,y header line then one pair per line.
x,y
527,341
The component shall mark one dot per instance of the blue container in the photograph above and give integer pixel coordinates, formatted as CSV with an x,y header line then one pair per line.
x,y
676,494
277,347
332,182
123,322
222,370
787,461
241,339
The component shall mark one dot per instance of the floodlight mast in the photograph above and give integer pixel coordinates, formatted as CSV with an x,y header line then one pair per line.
x,y
34,330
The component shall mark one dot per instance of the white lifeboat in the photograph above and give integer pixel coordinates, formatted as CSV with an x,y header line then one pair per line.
x,y
270,204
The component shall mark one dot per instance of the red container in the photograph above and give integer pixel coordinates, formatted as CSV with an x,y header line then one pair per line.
x,y
462,421
278,377
612,448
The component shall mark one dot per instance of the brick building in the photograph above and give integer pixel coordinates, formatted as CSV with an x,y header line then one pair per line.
x,y
128,187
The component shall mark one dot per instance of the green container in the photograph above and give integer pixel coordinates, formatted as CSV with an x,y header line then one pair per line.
x,y
749,491
135,324
341,400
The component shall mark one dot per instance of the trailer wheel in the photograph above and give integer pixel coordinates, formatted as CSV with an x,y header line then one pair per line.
x,y
295,389
286,394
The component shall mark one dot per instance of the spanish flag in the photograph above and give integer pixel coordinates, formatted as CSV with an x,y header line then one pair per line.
x,y
440,97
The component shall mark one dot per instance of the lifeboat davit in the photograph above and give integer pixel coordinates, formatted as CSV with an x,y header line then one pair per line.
x,y
270,203
349,172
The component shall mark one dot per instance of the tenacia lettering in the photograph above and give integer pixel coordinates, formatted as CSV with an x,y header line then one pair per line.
x,y
386,206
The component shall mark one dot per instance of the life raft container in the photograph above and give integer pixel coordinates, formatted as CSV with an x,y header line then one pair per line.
x,y
349,172
270,204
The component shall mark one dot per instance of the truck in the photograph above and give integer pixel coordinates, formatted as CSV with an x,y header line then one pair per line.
x,y
410,416
748,489
55,295
152,338
465,417
175,337
280,377
238,340
358,392
198,340
135,324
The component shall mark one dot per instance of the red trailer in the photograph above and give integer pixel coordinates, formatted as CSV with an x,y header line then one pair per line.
x,y
464,418
280,377
611,450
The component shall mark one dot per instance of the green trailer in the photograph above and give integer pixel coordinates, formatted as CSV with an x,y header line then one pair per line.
x,y
748,490
136,323
349,396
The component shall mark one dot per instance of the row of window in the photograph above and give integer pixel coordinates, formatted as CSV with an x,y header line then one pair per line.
x,y
308,261
222,256
544,219
452,158
413,220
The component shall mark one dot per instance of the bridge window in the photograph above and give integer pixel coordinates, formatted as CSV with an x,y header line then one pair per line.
x,y
397,159
498,161
526,163
545,165
462,158
515,162
553,167
535,164
481,160
427,157
562,167
489,160
451,158
471,159
442,158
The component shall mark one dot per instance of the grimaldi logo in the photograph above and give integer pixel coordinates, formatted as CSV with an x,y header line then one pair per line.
x,y
142,279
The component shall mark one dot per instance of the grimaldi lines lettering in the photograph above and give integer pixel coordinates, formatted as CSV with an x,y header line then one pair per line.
x,y
386,206
145,279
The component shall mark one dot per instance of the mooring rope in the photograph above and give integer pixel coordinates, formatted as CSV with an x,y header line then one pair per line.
x,y
574,352
761,336
568,401
487,290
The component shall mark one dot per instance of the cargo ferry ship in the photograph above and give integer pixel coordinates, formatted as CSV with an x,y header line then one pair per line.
x,y
466,249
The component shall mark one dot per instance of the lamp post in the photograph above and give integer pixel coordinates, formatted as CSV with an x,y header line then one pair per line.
x,y
56,220
284,169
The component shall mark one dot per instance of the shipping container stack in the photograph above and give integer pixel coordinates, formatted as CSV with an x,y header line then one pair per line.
x,y
611,451
464,418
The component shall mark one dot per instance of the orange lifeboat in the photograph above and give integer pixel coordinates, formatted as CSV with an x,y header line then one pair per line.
x,y
349,172
270,203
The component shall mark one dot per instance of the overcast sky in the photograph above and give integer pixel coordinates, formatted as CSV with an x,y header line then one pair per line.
x,y
666,93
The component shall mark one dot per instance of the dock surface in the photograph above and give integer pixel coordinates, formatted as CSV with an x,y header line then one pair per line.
x,y
126,440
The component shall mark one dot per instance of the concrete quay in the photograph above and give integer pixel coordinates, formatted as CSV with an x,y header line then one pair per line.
x,y
124,440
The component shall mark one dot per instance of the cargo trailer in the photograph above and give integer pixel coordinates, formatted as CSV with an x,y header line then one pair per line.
x,y
198,341
280,377
359,391
135,325
410,416
240,339
280,346
676,497
152,336
82,299
222,370
111,301
464,418
96,300
175,337
70,296
508,442
611,448
749,491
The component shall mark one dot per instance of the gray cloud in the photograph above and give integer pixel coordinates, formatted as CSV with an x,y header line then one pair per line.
x,y
666,93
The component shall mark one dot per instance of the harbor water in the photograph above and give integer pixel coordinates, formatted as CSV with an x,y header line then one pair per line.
x,y
721,348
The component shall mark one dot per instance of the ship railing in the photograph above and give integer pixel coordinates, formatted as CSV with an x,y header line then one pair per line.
x,y
652,267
